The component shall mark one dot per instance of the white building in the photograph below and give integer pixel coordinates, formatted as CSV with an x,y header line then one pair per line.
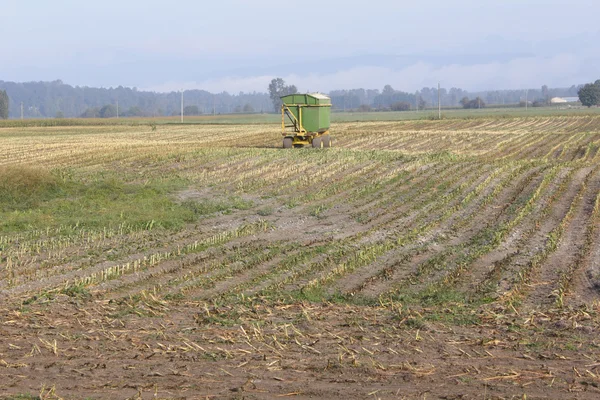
x,y
559,100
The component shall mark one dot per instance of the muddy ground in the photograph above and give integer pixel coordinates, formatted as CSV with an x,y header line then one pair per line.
x,y
269,312
73,350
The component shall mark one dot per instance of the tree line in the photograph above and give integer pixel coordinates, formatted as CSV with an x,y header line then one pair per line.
x,y
392,99
4,104
59,100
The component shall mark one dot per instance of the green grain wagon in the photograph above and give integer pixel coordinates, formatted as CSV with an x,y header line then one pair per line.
x,y
305,119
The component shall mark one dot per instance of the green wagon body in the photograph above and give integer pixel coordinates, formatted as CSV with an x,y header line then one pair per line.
x,y
305,119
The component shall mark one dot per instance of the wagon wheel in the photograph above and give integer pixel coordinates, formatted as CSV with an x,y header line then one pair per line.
x,y
316,143
287,143
327,142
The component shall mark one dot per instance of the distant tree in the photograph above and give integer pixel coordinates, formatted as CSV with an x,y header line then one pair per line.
x,y
237,109
388,90
364,108
4,104
248,109
589,94
135,111
540,103
422,103
59,115
400,106
108,111
455,96
92,112
191,110
389,96
277,89
546,94
475,103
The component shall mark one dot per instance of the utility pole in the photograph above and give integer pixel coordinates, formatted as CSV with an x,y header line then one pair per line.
x,y
117,109
182,106
417,100
526,99
21,111
439,103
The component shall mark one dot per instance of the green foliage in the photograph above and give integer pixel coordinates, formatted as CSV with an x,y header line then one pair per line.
x,y
265,211
589,95
23,187
32,198
4,104
92,112
21,397
191,110
135,111
206,207
277,89
77,291
475,103
108,111
400,106
35,199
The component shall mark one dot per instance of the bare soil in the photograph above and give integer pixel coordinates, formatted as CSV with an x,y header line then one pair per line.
x,y
197,350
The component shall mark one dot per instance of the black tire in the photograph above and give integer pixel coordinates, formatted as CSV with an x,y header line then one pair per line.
x,y
287,143
316,143
327,141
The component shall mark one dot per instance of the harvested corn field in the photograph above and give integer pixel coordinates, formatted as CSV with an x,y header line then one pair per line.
x,y
415,259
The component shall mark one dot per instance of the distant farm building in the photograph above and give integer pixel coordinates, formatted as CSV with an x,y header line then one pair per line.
x,y
559,100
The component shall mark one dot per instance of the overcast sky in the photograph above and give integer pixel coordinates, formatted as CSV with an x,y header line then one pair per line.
x,y
319,45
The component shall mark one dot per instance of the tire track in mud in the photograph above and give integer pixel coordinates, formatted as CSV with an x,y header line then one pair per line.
x,y
382,269
418,275
426,188
512,274
455,261
583,287
427,221
480,273
546,289
239,277
327,256
386,192
429,225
